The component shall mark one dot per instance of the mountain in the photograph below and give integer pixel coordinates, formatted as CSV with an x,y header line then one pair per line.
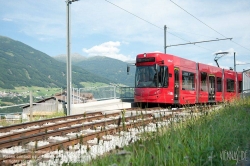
x,y
22,65
112,69
74,58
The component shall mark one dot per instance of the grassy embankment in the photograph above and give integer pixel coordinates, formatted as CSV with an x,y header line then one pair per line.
x,y
36,91
220,137
4,122
46,92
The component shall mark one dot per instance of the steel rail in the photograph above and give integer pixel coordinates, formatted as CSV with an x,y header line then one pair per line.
x,y
56,126
64,118
61,132
53,120
41,122
18,157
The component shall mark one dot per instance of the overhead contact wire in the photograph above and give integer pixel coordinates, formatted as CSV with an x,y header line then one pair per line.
x,y
152,23
145,20
207,24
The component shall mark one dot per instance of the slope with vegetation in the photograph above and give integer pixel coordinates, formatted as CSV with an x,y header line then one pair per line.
x,y
22,65
220,137
112,69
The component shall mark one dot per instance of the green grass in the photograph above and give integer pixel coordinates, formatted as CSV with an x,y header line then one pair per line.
x,y
47,92
98,84
92,84
4,122
53,115
199,140
36,91
25,95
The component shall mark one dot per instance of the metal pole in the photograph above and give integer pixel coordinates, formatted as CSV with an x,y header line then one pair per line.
x,y
31,106
68,60
78,95
234,62
73,96
114,92
165,39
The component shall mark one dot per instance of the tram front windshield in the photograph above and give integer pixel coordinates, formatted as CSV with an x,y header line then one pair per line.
x,y
151,76
146,76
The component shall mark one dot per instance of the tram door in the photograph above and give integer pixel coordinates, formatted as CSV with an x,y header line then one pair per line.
x,y
211,88
176,85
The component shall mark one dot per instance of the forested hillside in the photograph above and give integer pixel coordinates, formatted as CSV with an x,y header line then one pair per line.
x,y
112,69
22,65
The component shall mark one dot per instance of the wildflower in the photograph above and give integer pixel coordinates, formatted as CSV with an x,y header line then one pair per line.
x,y
123,153
141,145
113,164
210,158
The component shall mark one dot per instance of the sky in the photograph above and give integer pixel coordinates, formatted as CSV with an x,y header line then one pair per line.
x,y
121,29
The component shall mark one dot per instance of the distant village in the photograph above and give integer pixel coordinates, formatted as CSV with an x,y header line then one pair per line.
x,y
10,94
15,94
44,106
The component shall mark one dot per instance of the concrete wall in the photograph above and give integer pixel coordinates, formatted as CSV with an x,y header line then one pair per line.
x,y
44,108
105,105
244,95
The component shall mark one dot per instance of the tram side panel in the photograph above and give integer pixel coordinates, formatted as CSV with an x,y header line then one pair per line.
x,y
239,84
167,93
187,83
202,90
215,84
219,86
229,85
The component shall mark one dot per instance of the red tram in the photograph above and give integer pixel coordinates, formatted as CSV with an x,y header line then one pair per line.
x,y
165,78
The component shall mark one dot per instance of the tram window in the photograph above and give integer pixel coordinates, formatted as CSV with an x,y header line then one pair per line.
x,y
219,84
145,76
230,85
160,75
188,81
163,76
203,81
166,80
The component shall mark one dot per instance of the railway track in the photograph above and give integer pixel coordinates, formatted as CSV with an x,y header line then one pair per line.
x,y
37,139
41,122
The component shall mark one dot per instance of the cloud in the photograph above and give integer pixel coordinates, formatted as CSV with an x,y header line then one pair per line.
x,y
212,64
7,19
241,63
109,49
139,28
224,67
42,21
